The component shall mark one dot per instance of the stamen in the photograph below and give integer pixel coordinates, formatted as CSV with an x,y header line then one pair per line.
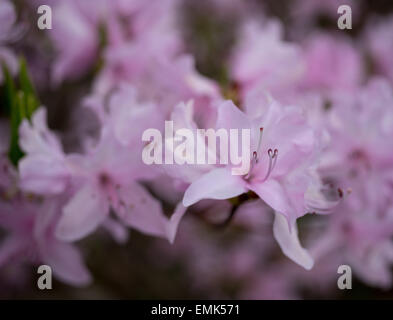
x,y
326,199
272,162
272,158
254,161
260,139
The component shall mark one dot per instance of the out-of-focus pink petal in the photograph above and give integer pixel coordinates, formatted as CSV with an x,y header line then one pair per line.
x,y
83,213
43,170
116,229
43,175
66,263
7,19
138,209
8,58
10,247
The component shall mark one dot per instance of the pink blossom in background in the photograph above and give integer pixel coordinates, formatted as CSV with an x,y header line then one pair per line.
x,y
31,237
44,170
8,32
361,159
332,64
379,45
263,58
71,26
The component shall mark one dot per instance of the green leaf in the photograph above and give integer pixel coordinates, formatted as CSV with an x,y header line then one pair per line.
x,y
24,79
21,103
17,112
31,102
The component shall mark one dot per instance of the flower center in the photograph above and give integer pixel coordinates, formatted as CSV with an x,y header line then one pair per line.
x,y
273,155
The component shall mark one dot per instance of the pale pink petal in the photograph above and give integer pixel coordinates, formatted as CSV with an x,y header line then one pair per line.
x,y
274,194
42,174
71,26
66,263
7,19
217,184
118,231
141,211
289,242
83,214
35,136
8,58
11,247
231,117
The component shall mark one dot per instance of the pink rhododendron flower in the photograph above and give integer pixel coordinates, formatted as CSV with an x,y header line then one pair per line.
x,y
263,58
44,170
282,145
108,183
361,159
332,63
280,133
8,31
380,44
73,26
156,78
30,225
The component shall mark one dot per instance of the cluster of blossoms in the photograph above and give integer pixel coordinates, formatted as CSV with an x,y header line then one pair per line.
x,y
321,129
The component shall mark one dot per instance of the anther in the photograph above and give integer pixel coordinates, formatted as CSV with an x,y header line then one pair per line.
x,y
272,162
260,139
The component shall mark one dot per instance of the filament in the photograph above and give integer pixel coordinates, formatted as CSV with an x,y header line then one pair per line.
x,y
260,139
272,162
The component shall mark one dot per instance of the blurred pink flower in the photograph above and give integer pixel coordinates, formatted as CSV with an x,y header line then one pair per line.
x,y
30,226
75,36
44,169
360,158
380,45
89,25
108,175
332,63
8,31
157,78
263,58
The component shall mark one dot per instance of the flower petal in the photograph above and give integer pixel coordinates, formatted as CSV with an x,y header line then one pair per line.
x,y
231,117
82,215
141,211
42,174
174,221
273,193
289,242
66,262
217,184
